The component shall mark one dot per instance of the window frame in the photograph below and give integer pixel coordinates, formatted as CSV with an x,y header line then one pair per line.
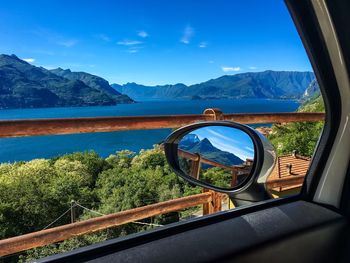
x,y
307,25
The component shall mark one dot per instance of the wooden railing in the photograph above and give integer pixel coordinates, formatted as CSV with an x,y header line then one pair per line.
x,y
197,160
211,201
36,127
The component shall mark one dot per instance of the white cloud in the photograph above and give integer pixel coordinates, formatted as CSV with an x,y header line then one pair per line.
x,y
249,148
129,42
229,69
203,44
211,61
142,34
67,43
187,35
134,49
242,147
104,37
54,37
252,67
29,60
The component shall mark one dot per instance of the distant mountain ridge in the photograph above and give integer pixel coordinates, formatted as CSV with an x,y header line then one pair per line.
x,y
23,85
267,84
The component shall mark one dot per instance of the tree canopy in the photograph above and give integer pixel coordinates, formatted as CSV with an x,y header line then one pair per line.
x,y
299,136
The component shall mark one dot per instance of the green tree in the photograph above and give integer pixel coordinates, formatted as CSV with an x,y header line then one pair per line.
x,y
299,136
33,194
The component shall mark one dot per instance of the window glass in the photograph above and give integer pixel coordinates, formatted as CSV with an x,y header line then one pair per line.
x,y
134,59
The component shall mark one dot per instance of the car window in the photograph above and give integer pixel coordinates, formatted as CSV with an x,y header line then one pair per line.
x,y
89,92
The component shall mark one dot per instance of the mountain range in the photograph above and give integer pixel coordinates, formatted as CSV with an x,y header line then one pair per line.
x,y
23,85
267,84
206,149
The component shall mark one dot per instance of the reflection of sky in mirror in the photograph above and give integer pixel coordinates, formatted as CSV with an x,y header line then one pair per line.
x,y
228,139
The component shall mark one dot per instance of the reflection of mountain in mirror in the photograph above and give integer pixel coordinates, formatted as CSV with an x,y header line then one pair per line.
x,y
226,145
208,151
217,155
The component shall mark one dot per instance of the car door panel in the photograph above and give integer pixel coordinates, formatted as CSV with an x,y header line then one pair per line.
x,y
294,232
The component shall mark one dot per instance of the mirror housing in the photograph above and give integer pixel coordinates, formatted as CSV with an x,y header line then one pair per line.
x,y
252,188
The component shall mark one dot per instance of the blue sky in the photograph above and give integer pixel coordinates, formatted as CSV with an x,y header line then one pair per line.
x,y
154,41
228,139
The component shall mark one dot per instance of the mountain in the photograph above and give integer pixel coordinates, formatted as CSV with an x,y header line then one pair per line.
x,y
208,151
313,90
267,84
93,82
23,85
188,141
141,92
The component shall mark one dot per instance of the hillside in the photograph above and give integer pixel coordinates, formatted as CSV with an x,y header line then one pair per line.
x,y
23,85
93,82
315,104
312,91
266,84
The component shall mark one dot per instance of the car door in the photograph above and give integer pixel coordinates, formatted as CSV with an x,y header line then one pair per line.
x,y
309,227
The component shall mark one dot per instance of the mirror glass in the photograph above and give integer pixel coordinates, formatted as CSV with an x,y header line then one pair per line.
x,y
218,155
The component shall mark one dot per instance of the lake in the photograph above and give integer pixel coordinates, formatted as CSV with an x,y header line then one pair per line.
x,y
28,148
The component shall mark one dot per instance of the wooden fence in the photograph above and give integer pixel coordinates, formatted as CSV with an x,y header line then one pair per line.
x,y
210,200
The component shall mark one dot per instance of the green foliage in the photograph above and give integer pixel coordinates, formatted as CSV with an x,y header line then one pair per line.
x,y
33,194
300,136
91,161
136,181
218,177
315,104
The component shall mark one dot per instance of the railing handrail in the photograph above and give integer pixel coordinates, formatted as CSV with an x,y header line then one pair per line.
x,y
58,126
60,233
197,157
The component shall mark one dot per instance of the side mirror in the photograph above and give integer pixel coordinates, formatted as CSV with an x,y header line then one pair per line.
x,y
223,156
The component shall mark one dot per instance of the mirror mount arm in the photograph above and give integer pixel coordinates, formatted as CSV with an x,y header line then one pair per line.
x,y
254,193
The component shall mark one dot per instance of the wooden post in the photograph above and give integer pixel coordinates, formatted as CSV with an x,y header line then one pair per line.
x,y
196,167
206,209
213,206
215,113
72,211
234,178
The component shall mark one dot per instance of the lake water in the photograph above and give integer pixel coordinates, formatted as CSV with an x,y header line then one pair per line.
x,y
28,148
